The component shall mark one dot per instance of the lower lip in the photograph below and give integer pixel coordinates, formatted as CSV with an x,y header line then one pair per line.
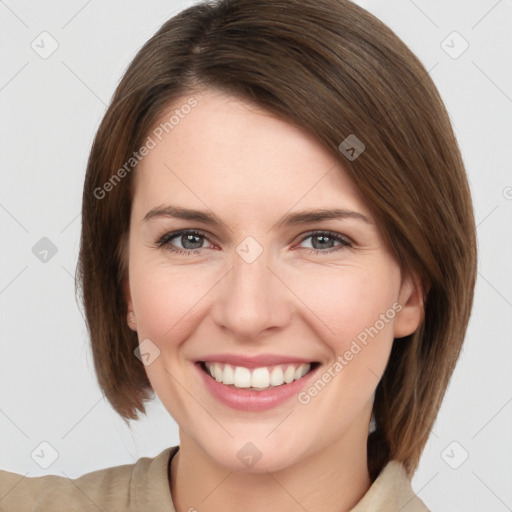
x,y
246,400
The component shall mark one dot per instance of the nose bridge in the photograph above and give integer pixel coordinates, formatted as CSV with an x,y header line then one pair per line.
x,y
252,298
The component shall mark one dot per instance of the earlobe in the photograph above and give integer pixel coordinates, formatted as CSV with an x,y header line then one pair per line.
x,y
132,324
411,316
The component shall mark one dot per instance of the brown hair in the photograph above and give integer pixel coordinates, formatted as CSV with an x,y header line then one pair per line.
x,y
333,69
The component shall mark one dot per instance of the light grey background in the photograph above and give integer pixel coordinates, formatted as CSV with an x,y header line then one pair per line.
x,y
50,110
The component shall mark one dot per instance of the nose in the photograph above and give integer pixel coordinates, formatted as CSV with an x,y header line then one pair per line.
x,y
252,299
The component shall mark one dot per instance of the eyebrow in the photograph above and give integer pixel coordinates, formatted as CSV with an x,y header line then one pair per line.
x,y
289,219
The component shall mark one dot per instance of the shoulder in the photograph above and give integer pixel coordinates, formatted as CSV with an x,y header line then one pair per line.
x,y
391,492
125,487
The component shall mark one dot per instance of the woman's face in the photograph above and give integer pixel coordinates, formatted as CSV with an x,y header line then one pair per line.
x,y
256,285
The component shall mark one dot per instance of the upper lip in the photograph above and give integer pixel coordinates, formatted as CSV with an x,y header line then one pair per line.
x,y
253,361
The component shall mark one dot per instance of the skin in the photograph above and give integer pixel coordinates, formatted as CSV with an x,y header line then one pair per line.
x,y
249,168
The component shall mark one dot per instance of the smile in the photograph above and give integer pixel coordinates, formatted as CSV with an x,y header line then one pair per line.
x,y
255,383
256,379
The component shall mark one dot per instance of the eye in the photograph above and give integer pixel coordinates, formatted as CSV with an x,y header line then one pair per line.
x,y
189,240
192,241
324,242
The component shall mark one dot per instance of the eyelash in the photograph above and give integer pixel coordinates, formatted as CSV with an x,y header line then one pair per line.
x,y
164,241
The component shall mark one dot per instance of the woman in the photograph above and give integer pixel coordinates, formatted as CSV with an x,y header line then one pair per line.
x,y
277,240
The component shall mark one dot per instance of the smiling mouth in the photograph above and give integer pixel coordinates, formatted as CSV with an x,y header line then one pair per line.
x,y
256,379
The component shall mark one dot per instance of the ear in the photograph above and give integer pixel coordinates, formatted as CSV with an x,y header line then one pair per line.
x,y
412,313
123,256
131,320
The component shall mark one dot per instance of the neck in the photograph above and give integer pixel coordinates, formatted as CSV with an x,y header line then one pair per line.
x,y
335,478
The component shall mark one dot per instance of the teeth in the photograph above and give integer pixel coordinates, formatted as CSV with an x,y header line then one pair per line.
x,y
217,373
260,378
257,378
242,377
228,375
276,376
289,374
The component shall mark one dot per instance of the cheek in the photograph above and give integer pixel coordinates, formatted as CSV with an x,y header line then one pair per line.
x,y
355,310
351,299
165,299
167,302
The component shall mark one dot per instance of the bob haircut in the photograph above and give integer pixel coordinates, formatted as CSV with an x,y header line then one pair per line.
x,y
333,69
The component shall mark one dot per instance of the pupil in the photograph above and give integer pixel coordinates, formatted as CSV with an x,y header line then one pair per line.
x,y
186,240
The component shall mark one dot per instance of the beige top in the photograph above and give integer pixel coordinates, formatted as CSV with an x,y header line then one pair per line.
x,y
144,486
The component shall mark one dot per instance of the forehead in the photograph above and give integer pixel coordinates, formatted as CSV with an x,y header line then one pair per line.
x,y
225,148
